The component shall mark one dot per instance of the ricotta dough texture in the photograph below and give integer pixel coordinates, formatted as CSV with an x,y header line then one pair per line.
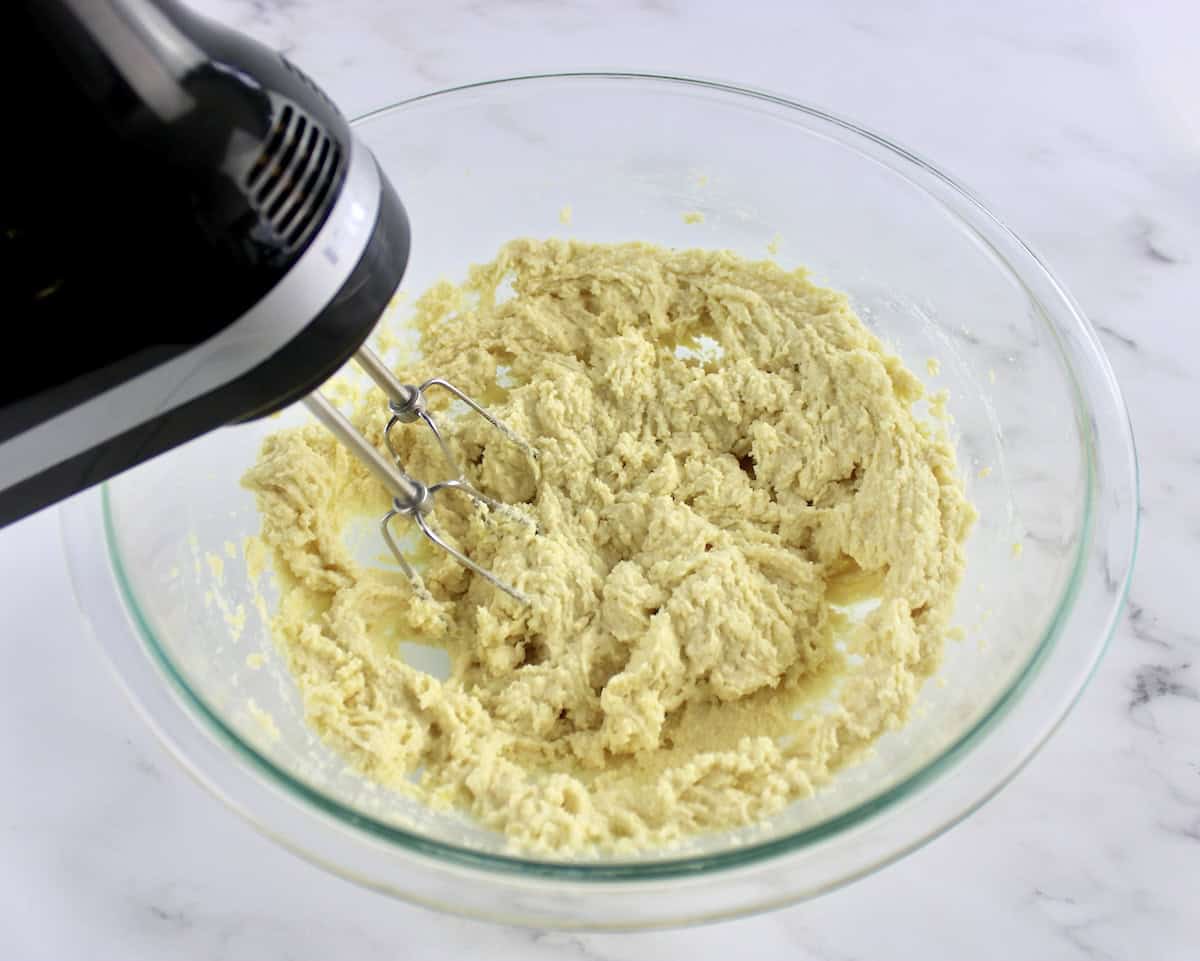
x,y
727,459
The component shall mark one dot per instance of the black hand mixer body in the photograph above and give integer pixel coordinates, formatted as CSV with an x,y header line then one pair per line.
x,y
190,236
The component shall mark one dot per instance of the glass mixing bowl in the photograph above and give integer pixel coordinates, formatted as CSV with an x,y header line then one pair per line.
x,y
1043,439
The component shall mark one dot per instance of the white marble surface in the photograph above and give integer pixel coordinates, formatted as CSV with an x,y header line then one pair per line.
x,y
1080,123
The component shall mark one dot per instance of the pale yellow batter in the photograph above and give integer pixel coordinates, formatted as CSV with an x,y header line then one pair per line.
x,y
727,458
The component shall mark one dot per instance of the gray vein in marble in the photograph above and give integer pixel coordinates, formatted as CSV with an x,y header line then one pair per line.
x,y
1142,627
1090,142
265,11
1154,253
1060,544
1075,932
866,28
1189,831
1147,236
575,944
169,915
141,762
663,8
556,17
1094,50
1147,359
1117,336
427,72
503,119
1154,682
811,943
1148,628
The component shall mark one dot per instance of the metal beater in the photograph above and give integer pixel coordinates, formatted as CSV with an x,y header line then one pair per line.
x,y
411,497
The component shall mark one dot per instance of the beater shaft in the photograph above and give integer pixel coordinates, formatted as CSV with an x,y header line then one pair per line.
x,y
399,485
398,394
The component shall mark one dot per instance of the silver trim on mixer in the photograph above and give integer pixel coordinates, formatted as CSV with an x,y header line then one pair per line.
x,y
259,333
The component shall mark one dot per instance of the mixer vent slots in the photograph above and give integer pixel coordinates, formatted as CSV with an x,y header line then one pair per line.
x,y
293,176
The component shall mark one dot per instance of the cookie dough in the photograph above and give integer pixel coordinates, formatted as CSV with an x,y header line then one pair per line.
x,y
747,553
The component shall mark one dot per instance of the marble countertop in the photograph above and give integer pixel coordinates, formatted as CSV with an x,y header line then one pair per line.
x,y
1080,123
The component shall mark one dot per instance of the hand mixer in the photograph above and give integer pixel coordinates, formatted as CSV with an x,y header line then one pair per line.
x,y
190,236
